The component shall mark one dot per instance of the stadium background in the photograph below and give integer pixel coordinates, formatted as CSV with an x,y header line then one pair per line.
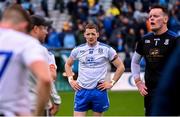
x,y
121,22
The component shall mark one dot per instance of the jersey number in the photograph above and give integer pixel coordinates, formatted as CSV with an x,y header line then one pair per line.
x,y
4,59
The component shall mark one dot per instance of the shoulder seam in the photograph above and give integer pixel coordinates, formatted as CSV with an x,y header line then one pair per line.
x,y
172,33
81,45
148,35
102,44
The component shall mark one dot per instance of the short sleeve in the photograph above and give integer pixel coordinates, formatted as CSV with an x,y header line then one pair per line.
x,y
51,60
74,53
111,54
139,48
33,52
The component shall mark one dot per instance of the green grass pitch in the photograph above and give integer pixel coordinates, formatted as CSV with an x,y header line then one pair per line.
x,y
122,103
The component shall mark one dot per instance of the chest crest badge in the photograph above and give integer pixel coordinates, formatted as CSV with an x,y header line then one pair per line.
x,y
100,51
166,42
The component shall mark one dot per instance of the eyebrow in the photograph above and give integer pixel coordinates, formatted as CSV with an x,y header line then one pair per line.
x,y
90,33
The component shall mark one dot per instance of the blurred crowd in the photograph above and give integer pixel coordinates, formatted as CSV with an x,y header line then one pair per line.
x,y
121,25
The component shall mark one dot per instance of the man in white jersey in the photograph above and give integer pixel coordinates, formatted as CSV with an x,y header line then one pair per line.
x,y
20,53
39,26
91,86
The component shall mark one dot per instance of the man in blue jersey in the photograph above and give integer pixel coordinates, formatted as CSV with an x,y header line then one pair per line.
x,y
91,86
156,47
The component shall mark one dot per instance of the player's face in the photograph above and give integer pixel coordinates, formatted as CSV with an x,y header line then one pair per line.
x,y
91,36
42,33
157,19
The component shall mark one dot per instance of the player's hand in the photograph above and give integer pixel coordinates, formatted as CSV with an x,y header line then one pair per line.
x,y
142,88
54,109
105,85
74,85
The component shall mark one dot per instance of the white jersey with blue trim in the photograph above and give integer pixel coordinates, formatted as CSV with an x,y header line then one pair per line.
x,y
17,52
93,63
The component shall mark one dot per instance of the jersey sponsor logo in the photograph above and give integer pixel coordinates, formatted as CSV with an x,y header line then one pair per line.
x,y
100,51
166,42
89,59
147,41
91,51
154,52
5,57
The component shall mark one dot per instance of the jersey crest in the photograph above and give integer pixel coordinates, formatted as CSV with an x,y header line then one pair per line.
x,y
166,42
100,51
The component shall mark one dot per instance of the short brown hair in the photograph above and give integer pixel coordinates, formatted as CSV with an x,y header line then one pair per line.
x,y
91,26
16,14
156,6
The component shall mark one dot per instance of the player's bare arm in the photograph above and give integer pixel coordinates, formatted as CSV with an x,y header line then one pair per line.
x,y
55,107
69,72
56,100
41,71
119,71
53,71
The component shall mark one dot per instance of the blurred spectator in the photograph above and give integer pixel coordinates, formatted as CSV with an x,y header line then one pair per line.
x,y
91,3
113,11
59,4
72,7
2,3
140,16
94,11
146,5
27,5
80,33
130,40
120,43
67,36
44,6
53,39
107,24
82,10
39,11
174,21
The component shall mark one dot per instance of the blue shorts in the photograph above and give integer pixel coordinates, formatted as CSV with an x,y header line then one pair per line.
x,y
94,99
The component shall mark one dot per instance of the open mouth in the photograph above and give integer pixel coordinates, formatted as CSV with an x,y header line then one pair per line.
x,y
152,23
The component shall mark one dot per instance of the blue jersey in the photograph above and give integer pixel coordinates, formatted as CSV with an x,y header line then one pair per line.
x,y
93,63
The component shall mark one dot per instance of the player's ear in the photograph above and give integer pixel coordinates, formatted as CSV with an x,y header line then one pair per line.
x,y
84,34
97,34
35,28
165,19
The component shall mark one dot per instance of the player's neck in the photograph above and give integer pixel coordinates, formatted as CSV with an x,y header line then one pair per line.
x,y
6,25
93,44
161,31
